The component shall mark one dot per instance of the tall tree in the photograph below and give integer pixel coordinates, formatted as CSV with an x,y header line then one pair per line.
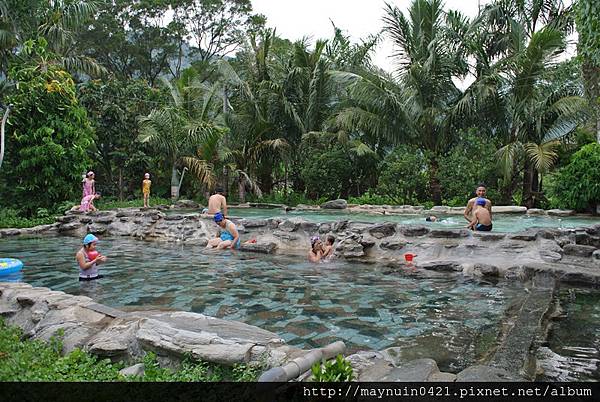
x,y
588,47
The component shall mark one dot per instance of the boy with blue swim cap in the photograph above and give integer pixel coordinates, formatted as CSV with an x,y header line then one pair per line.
x,y
482,219
228,236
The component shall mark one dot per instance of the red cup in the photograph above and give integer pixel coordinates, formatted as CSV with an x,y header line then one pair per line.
x,y
409,257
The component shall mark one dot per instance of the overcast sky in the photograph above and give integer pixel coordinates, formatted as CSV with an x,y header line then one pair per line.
x,y
359,18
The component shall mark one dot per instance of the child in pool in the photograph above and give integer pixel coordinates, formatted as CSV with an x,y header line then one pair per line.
x,y
89,258
146,183
328,248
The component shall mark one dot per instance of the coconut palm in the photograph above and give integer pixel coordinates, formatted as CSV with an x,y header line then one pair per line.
x,y
417,105
182,131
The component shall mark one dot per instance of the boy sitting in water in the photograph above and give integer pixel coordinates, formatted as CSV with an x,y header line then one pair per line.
x,y
482,219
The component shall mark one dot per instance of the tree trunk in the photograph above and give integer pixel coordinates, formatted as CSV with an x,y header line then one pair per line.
x,y
530,182
434,182
120,184
242,189
174,183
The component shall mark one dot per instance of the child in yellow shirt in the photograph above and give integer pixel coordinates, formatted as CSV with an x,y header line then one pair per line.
x,y
146,189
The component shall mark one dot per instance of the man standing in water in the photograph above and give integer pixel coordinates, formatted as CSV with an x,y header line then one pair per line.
x,y
480,192
217,203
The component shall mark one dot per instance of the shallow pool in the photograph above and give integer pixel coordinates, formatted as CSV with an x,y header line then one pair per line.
x,y
449,318
573,350
502,222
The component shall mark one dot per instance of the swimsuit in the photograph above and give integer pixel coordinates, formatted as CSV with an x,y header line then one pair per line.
x,y
88,187
86,202
146,186
88,274
483,228
226,235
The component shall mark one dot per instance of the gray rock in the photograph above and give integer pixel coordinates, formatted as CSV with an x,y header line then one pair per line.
x,y
536,211
508,209
324,228
285,236
550,256
560,212
393,355
263,248
442,209
524,236
392,244
340,225
578,250
489,236
443,266
69,227
442,377
485,269
187,204
414,231
449,233
485,374
382,230
255,223
596,255
137,370
289,225
419,370
96,228
335,204
309,227
376,371
549,234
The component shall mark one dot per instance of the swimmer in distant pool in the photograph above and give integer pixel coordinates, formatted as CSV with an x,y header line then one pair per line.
x,y
316,250
328,248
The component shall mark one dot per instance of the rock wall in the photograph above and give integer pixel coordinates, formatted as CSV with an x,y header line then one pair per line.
x,y
120,336
570,255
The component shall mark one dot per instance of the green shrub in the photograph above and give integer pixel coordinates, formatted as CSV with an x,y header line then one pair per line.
x,y
104,203
10,218
327,173
577,185
370,197
337,370
48,133
403,177
290,198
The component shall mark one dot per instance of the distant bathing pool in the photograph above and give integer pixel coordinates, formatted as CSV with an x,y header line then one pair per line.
x,y
450,318
502,222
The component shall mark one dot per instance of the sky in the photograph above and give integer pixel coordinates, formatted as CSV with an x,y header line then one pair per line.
x,y
359,18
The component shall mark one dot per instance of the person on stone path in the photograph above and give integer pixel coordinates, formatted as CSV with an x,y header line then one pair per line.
x,y
480,192
328,247
316,250
482,219
89,184
227,237
89,258
146,183
217,203
87,203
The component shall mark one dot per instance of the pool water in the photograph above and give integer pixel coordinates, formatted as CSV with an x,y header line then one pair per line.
x,y
573,352
447,317
502,222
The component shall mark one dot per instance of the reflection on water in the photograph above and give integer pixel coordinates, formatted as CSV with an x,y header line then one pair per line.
x,y
573,352
502,222
449,318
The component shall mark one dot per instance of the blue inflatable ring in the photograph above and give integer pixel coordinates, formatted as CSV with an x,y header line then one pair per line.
x,y
10,266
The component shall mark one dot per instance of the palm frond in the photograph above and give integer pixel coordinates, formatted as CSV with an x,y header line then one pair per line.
x,y
543,155
201,169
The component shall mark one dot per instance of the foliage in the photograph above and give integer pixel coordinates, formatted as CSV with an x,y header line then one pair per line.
x,y
577,185
289,198
326,173
113,107
403,176
10,218
372,198
35,360
337,370
471,162
113,203
48,134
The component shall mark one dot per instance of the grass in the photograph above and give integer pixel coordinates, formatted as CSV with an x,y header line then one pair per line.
x,y
35,360
111,203
9,218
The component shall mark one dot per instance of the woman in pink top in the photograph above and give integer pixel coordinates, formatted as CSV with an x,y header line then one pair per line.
x,y
89,184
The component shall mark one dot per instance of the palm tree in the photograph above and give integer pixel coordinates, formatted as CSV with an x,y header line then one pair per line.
x,y
183,132
419,105
56,21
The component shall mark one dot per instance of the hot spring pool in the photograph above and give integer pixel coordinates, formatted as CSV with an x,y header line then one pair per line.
x,y
502,222
446,317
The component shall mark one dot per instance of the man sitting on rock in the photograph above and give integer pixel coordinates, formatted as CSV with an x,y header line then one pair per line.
x,y
216,203
480,192
482,219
